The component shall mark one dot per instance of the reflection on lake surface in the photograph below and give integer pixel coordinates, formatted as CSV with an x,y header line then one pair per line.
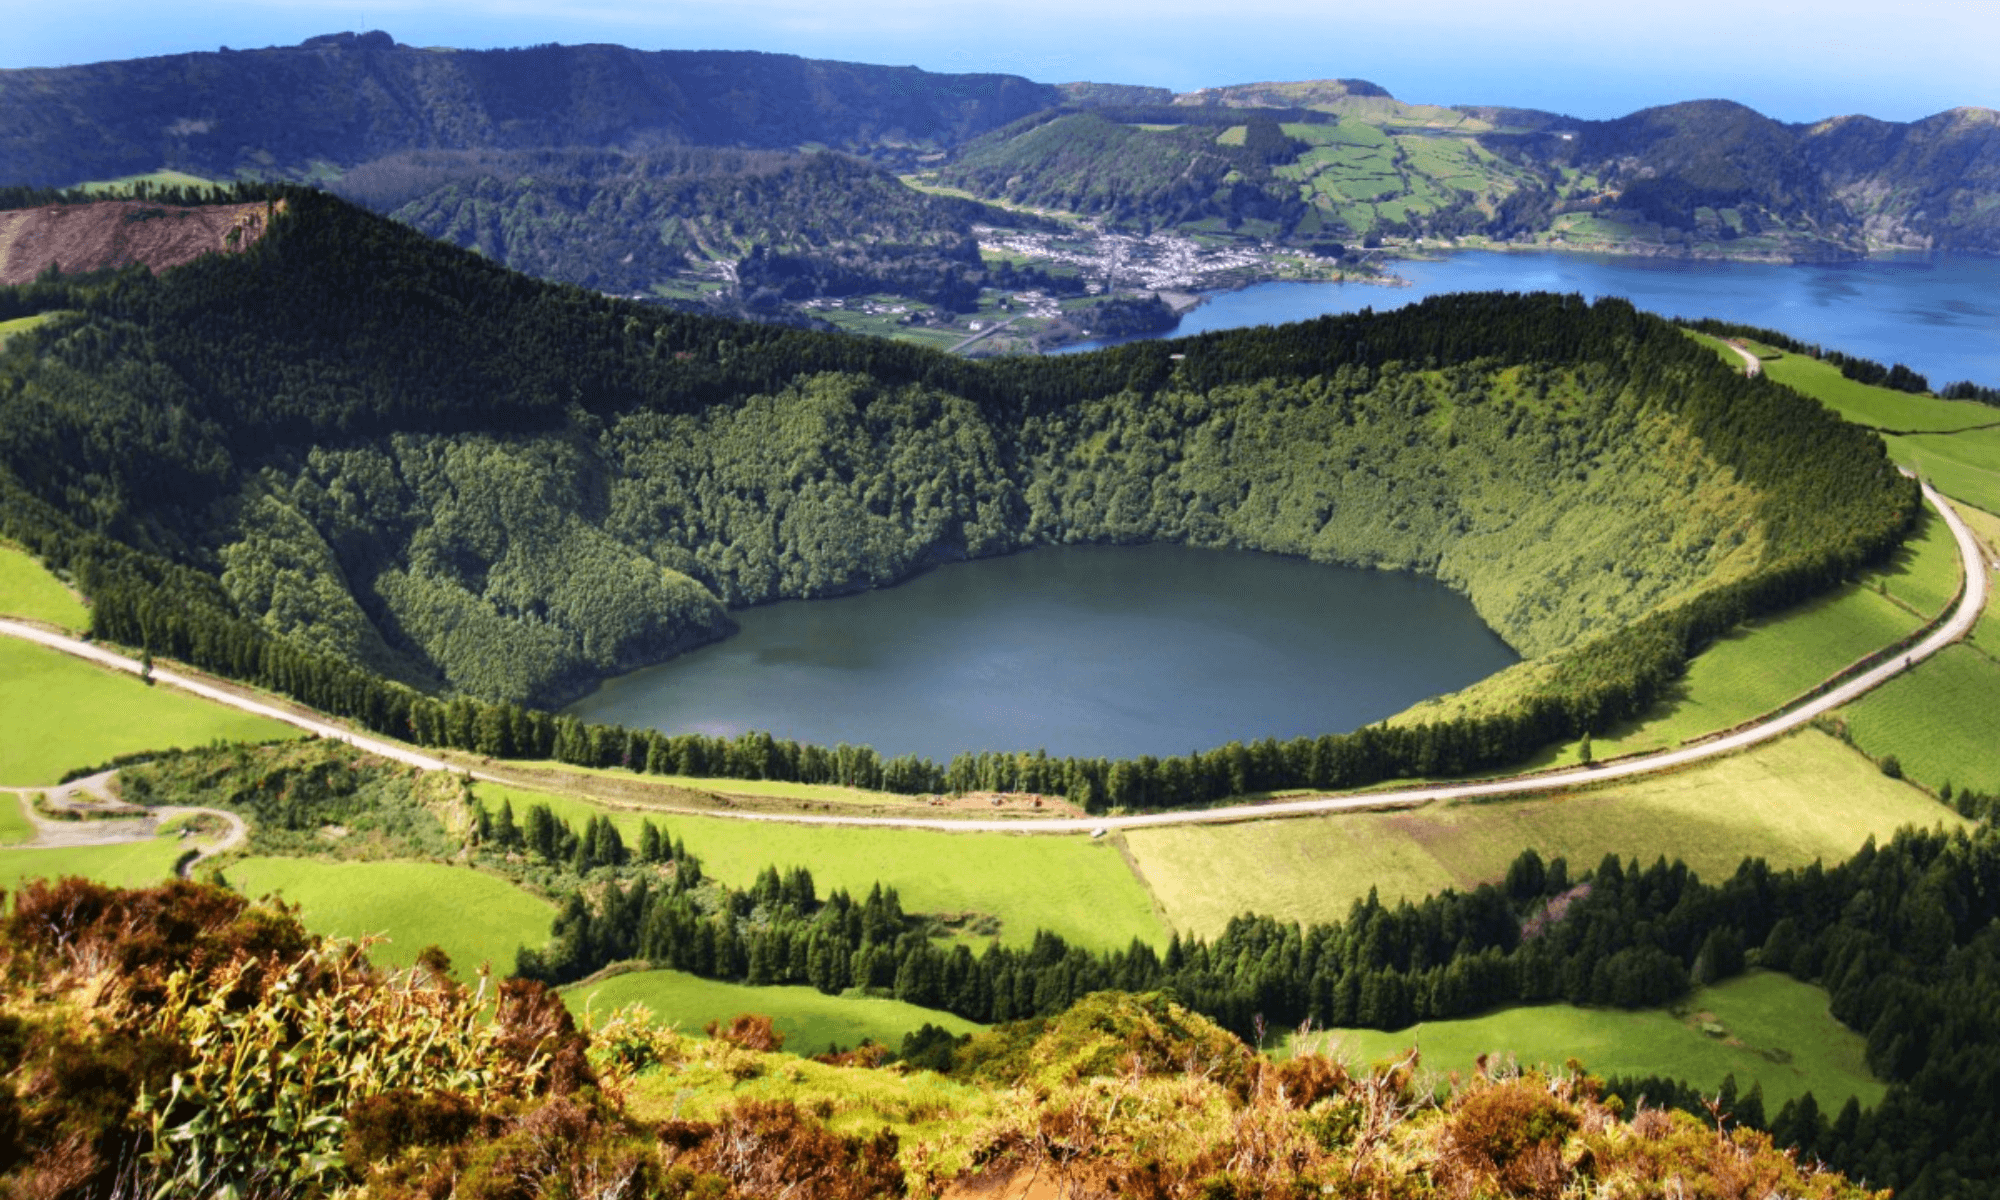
x,y
1086,650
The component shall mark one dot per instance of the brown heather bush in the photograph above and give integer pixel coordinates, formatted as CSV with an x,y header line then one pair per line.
x,y
749,1031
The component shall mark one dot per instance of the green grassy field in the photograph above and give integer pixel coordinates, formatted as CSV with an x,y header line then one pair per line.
x,y
1941,721
28,590
22,325
14,825
161,178
133,864
61,712
1762,665
1779,1034
1075,887
810,1019
1802,798
474,917
1953,443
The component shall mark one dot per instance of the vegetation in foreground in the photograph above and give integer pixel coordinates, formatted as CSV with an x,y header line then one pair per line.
x,y
145,1026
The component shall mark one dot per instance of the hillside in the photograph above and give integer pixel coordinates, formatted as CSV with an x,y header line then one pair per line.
x,y
355,443
79,239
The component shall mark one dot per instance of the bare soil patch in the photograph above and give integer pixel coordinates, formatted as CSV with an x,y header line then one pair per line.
x,y
78,238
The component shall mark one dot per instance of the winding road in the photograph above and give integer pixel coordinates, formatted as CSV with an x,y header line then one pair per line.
x,y
1972,601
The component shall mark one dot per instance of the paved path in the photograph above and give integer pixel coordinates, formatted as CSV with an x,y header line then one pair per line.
x,y
1971,602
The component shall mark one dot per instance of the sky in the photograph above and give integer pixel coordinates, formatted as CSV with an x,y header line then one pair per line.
x,y
1796,61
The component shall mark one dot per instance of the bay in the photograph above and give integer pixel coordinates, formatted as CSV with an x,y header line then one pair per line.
x,y
1939,314
1081,650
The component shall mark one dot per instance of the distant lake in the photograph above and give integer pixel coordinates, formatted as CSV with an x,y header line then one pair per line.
x,y
1939,314
1082,650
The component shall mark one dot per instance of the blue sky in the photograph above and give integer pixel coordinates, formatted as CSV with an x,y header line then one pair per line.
x,y
1589,58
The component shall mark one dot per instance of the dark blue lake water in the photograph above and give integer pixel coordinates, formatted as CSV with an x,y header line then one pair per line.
x,y
1087,650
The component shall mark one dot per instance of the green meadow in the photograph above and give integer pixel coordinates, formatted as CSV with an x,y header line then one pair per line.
x,y
28,590
22,325
61,712
1953,443
1766,663
1766,1027
472,916
129,864
1072,886
810,1019
1941,721
1802,798
14,824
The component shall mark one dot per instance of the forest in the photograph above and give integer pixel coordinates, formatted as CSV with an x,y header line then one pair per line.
x,y
413,488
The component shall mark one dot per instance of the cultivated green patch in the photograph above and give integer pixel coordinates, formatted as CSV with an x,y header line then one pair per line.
x,y
124,864
1940,722
1762,1027
474,917
1802,798
14,824
1071,886
61,713
28,590
810,1020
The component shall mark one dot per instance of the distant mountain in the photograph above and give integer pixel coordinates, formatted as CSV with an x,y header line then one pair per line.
x,y
338,101
745,180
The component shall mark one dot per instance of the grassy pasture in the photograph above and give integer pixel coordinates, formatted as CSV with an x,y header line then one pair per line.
x,y
1953,443
1941,721
1802,798
1762,665
1080,889
1779,1034
810,1019
160,178
14,824
22,325
28,590
131,864
474,917
61,712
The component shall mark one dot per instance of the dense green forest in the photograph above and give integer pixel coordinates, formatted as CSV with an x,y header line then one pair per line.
x,y
353,454
769,226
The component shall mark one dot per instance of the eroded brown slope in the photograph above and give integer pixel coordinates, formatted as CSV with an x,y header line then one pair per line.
x,y
118,233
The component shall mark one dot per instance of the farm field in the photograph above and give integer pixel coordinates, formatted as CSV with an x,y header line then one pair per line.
x,y
63,713
1802,798
14,824
472,916
1964,464
1779,1034
810,1019
28,590
1761,666
132,864
1072,886
1902,718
